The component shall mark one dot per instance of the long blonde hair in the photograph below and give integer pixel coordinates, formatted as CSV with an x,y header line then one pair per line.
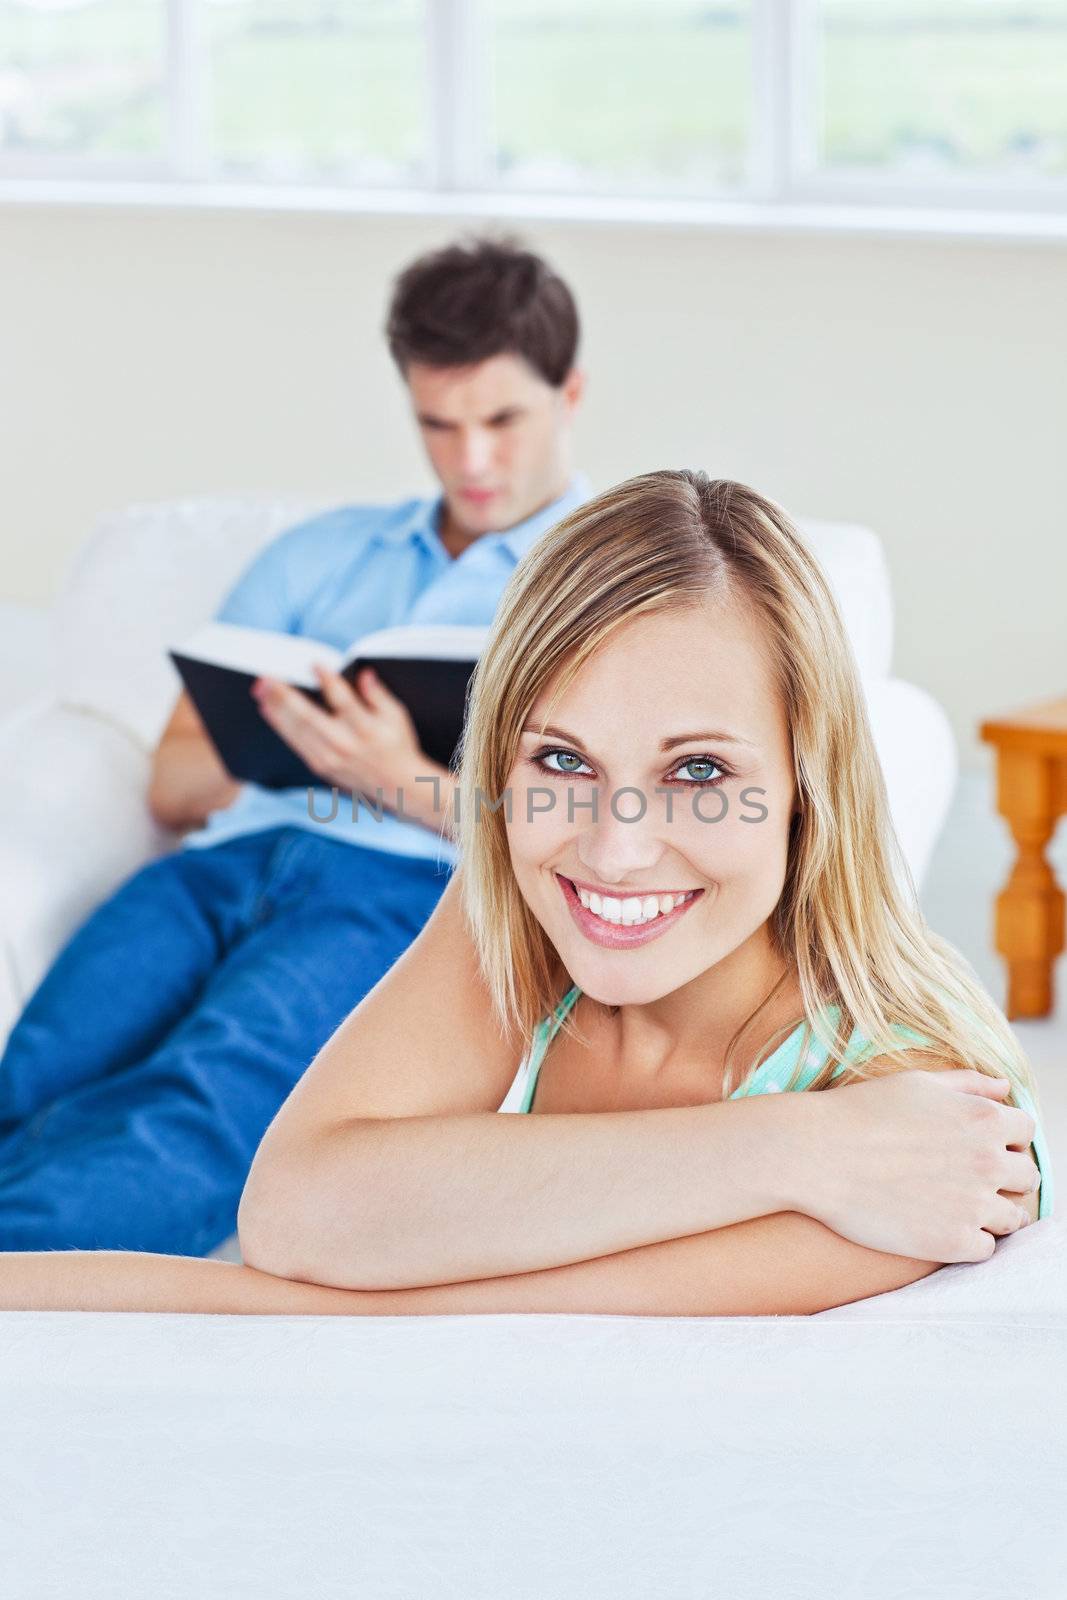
x,y
847,920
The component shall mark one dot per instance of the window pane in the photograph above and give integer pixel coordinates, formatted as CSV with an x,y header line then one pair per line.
x,y
649,97
327,90
944,87
84,77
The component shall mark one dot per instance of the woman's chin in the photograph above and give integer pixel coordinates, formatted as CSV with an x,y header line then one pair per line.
x,y
615,988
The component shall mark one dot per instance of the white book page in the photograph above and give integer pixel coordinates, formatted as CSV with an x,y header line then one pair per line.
x,y
434,641
259,651
291,657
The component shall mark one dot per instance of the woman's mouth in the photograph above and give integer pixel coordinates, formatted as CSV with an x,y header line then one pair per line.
x,y
619,923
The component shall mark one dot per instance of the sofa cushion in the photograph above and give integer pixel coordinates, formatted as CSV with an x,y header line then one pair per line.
x,y
144,578
73,825
854,560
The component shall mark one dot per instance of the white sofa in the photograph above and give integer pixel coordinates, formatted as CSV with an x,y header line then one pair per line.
x,y
907,1445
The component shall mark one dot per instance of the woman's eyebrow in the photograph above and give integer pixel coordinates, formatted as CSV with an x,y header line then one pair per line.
x,y
665,744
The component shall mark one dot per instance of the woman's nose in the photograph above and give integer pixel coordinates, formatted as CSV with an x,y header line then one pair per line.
x,y
620,844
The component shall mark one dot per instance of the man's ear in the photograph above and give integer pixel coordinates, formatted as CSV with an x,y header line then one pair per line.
x,y
572,389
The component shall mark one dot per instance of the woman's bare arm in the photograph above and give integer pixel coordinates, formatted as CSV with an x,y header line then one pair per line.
x,y
783,1265
388,1167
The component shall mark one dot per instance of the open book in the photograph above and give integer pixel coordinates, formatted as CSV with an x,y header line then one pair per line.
x,y
427,666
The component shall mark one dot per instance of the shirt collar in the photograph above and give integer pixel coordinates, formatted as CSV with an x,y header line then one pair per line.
x,y
422,521
517,540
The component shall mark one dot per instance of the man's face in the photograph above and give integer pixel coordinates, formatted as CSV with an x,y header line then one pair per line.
x,y
497,436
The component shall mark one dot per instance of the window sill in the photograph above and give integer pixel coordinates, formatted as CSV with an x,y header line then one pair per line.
x,y
809,217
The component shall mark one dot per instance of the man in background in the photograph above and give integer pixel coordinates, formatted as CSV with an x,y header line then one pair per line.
x,y
143,1072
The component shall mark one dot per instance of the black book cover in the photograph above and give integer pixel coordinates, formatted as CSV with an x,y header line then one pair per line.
x,y
433,691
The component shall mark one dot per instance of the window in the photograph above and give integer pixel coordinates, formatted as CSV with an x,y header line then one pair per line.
x,y
327,91
917,101
315,88
83,82
672,106
942,90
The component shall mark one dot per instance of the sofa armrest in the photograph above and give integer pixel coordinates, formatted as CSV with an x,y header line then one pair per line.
x,y
917,750
26,671
74,824
854,561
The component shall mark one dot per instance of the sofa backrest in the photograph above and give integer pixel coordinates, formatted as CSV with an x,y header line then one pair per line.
x,y
146,577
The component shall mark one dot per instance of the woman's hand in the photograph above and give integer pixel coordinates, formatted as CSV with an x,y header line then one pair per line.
x,y
921,1163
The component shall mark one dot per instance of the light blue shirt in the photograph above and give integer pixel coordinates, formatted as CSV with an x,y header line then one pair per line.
x,y
345,573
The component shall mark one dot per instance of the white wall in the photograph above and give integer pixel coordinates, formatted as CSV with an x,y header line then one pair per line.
x,y
918,386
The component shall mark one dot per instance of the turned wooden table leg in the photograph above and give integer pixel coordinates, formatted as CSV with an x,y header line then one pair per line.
x,y
1030,907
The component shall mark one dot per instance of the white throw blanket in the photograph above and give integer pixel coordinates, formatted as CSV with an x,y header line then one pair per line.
x,y
910,1445
1025,1279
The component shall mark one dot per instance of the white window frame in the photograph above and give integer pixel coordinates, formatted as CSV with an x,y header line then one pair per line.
x,y
786,189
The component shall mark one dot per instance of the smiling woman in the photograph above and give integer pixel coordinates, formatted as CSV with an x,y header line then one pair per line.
x,y
706,958
792,961
670,603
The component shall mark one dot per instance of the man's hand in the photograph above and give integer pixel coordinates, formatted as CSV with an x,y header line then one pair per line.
x,y
366,741
921,1163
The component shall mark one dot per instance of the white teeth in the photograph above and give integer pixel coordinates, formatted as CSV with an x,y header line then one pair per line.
x,y
633,910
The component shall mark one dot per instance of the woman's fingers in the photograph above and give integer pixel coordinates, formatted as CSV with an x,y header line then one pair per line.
x,y
1021,1127
983,1248
1019,1174
1018,1125
969,1081
1005,1216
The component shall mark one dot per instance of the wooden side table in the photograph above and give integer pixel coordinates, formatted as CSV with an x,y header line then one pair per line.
x,y
1031,748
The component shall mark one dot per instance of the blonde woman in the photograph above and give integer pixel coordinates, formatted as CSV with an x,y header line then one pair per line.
x,y
679,891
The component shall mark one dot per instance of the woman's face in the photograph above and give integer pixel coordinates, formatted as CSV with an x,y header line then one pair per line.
x,y
680,702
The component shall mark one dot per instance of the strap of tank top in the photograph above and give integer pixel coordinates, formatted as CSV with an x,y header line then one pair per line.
x,y
548,1027
560,1013
544,1033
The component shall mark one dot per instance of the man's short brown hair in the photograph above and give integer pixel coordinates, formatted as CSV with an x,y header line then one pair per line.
x,y
479,298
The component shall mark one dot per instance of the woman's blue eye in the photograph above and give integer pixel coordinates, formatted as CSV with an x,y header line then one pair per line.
x,y
700,767
708,766
561,755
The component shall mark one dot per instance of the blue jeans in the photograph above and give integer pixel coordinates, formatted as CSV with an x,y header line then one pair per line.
x,y
146,1067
